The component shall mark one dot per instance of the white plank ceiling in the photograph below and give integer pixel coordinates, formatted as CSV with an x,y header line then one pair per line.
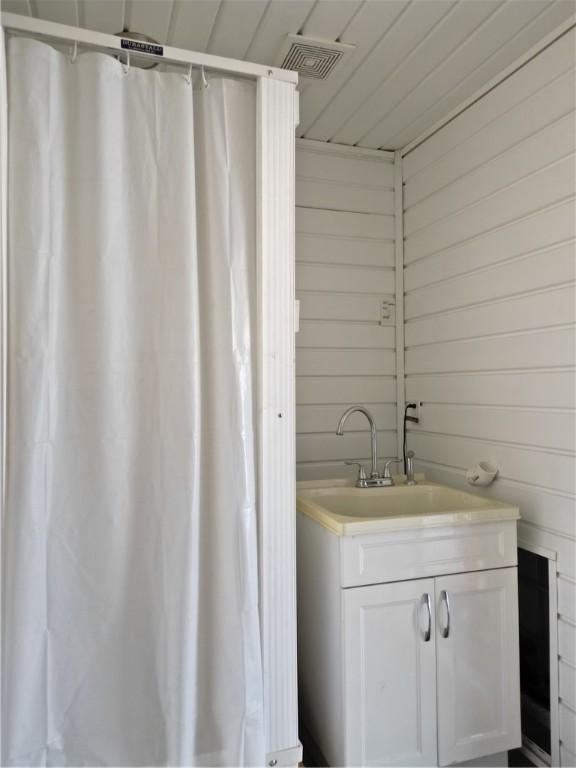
x,y
415,60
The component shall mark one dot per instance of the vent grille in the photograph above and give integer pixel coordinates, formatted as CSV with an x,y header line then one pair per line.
x,y
311,58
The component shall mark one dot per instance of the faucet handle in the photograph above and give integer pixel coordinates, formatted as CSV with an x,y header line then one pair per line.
x,y
361,470
387,465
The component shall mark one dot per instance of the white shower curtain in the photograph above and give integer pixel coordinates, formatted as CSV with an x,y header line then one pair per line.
x,y
130,605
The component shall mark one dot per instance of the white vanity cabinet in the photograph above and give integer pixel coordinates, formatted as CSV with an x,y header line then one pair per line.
x,y
419,671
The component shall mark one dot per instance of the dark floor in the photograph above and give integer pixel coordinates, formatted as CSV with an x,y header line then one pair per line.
x,y
517,759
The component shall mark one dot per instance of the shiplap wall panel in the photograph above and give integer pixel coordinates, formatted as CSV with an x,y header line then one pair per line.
x,y
540,230
332,249
490,281
567,598
321,390
566,645
532,78
344,271
522,121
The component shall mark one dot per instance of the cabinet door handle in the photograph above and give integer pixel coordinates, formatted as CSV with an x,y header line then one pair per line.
x,y
444,598
425,600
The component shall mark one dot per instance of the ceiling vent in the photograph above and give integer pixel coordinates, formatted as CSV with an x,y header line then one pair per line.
x,y
312,58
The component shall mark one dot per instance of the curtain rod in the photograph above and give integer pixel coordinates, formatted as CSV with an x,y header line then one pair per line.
x,y
160,53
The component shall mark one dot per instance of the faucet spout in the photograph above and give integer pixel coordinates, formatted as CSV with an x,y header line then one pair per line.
x,y
372,423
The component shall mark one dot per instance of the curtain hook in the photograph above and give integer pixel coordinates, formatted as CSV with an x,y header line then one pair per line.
x,y
74,53
126,67
188,77
204,81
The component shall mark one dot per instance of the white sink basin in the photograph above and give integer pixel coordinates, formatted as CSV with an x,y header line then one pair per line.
x,y
347,510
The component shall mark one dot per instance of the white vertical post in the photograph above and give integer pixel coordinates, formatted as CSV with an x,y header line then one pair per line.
x,y
399,298
276,460
3,294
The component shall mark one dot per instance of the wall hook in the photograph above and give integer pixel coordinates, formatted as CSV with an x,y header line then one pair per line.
x,y
74,53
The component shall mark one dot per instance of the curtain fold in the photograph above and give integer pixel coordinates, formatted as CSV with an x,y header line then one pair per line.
x,y
130,605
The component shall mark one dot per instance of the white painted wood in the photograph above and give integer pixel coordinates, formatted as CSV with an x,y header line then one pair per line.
x,y
3,297
399,555
490,306
344,279
548,348
342,224
528,195
525,157
477,59
341,362
192,22
390,676
347,307
104,17
478,665
412,64
314,193
550,470
149,17
536,271
372,120
567,598
400,303
567,729
541,42
410,29
279,19
325,248
521,121
567,758
59,11
352,446
334,334
521,426
344,273
567,640
507,314
568,684
320,638
537,388
349,165
540,230
370,25
499,760
234,27
333,389
324,418
276,409
370,682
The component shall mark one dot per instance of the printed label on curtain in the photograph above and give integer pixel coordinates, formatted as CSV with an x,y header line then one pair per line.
x,y
140,46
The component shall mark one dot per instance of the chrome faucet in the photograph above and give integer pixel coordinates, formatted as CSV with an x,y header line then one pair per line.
x,y
375,480
373,444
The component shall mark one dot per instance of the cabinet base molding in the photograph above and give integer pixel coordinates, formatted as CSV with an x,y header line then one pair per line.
x,y
489,761
289,758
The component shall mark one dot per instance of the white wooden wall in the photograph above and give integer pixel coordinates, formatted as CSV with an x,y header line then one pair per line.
x,y
344,271
490,297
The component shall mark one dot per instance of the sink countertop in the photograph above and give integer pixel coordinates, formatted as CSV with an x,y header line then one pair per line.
x,y
349,511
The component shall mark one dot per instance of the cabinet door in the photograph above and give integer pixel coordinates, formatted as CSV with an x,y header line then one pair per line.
x,y
390,674
478,665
